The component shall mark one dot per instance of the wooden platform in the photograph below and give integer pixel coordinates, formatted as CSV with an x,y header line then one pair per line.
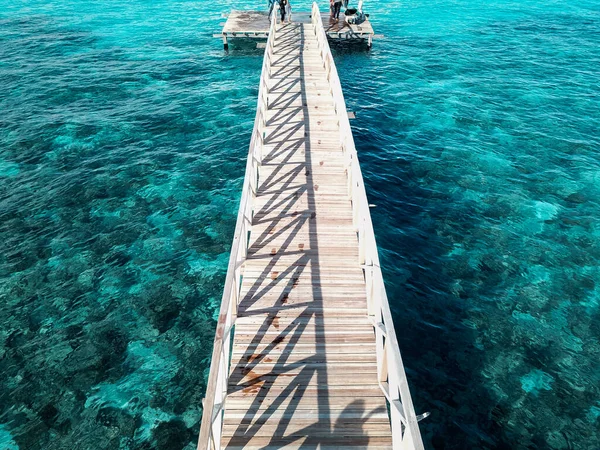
x,y
255,24
303,369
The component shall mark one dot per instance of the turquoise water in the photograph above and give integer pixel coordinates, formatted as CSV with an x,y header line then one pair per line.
x,y
123,135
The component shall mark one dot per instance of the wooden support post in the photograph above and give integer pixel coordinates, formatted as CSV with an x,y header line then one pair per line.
x,y
225,44
370,42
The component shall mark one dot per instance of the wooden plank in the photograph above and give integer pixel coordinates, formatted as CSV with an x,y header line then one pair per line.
x,y
297,371
331,320
291,339
275,325
304,271
300,258
353,391
292,357
311,308
300,267
314,428
259,350
316,185
322,296
308,284
262,443
264,416
254,273
304,234
288,292
349,422
303,402
299,314
301,335
273,228
333,248
309,299
268,352
294,442
302,309
294,85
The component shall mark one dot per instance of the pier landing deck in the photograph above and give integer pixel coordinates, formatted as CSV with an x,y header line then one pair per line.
x,y
305,352
255,24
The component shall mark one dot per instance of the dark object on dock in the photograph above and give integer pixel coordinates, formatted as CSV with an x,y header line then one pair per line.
x,y
354,16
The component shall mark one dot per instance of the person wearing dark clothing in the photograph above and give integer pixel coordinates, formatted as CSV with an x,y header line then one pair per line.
x,y
284,9
337,7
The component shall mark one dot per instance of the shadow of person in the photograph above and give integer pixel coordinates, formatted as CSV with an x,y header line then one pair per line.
x,y
352,420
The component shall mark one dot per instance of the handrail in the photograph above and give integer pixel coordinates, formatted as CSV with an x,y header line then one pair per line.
x,y
390,368
216,390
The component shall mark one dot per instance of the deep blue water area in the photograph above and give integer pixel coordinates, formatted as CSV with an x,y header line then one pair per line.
x,y
124,129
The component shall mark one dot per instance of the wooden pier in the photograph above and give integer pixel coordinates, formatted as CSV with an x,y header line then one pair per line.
x,y
256,24
305,353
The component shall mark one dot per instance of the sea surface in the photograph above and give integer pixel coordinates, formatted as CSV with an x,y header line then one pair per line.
x,y
124,129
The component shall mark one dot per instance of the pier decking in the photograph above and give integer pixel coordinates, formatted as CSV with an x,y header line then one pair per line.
x,y
314,361
255,24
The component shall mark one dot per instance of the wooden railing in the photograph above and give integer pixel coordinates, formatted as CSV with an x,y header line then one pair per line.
x,y
216,390
392,378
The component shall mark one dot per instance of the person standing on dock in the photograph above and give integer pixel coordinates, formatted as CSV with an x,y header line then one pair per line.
x,y
337,7
286,10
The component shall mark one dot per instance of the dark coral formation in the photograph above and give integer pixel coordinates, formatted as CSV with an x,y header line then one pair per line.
x,y
116,224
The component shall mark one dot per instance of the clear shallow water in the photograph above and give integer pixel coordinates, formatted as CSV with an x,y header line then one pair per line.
x,y
123,133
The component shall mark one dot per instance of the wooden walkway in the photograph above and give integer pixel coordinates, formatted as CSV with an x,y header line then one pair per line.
x,y
308,366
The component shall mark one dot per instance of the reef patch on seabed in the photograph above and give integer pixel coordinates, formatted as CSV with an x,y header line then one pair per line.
x,y
107,312
117,204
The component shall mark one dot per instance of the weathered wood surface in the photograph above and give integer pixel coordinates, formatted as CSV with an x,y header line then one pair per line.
x,y
304,368
247,22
